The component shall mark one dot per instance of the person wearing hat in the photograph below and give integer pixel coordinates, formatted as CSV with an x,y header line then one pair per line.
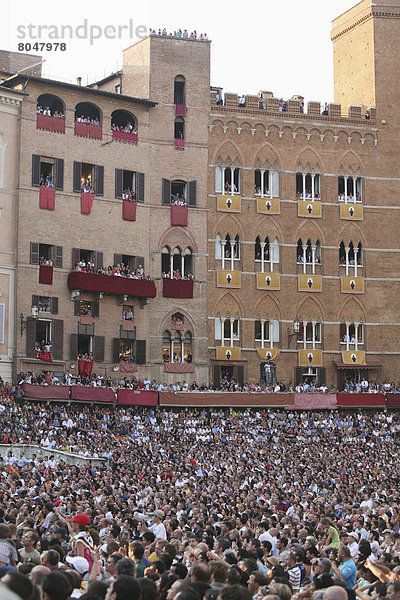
x,y
82,541
353,544
157,526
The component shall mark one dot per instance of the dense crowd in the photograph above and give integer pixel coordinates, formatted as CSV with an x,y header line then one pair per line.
x,y
119,270
200,503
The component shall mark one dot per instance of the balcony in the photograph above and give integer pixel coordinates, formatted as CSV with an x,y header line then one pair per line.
x,y
309,283
310,209
127,325
177,288
109,284
179,143
228,353
46,274
268,206
47,198
86,203
228,279
228,203
268,281
129,210
85,130
351,212
352,285
310,358
179,216
123,136
46,123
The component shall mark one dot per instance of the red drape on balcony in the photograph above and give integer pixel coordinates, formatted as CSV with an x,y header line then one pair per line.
x,y
177,288
47,198
118,135
43,122
58,125
95,132
178,368
86,203
136,397
179,143
91,394
128,325
86,320
179,215
132,138
180,110
46,274
360,400
85,367
55,392
44,356
393,400
81,129
91,282
127,367
129,210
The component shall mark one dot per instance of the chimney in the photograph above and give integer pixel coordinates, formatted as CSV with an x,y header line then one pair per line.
x,y
79,81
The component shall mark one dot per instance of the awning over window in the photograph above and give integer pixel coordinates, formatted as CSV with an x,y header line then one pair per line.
x,y
370,365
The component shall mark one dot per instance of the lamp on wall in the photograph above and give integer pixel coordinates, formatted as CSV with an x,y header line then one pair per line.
x,y
24,322
296,329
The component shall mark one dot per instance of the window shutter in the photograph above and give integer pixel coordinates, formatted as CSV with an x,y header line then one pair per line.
x,y
321,376
219,188
95,309
139,260
2,322
54,306
36,169
58,338
166,192
240,374
140,187
117,259
98,260
298,375
275,330
217,329
99,180
76,256
99,341
58,256
59,173
275,184
118,183
35,300
141,352
276,251
192,193
34,258
30,337
115,350
77,308
73,346
77,176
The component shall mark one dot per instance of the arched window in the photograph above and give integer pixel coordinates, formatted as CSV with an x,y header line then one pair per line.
x,y
257,249
179,129
187,263
308,186
360,255
187,348
309,333
180,90
50,105
176,347
218,247
87,112
342,254
349,189
123,120
318,252
166,350
351,254
165,261
309,251
227,249
352,335
300,251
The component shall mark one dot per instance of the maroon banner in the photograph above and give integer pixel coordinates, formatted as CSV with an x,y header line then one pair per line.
x,y
179,143
90,282
119,136
177,288
360,400
315,401
85,367
127,367
43,122
46,274
179,215
129,210
86,203
224,399
132,138
54,392
81,129
128,325
92,394
180,110
393,400
136,397
86,320
47,198
58,125
178,368
95,132
44,356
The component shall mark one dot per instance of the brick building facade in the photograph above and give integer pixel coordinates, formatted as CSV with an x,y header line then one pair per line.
x,y
290,228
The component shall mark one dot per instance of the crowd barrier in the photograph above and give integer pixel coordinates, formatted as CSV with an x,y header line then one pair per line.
x,y
128,397
41,452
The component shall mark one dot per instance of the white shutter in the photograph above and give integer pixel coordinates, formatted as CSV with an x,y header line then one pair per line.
x,y
218,246
275,184
276,251
2,313
218,180
218,330
275,330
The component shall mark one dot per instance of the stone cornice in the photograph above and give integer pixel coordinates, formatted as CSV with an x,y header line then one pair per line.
x,y
9,99
352,26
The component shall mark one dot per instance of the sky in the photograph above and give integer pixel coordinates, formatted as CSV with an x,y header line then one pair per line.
x,y
256,45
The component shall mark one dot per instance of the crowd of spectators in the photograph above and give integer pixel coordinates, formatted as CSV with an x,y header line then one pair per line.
x,y
128,194
193,504
88,120
119,270
46,181
128,128
179,33
176,274
46,112
87,187
178,200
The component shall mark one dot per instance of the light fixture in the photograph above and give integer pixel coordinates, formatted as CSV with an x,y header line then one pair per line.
x,y
24,322
296,329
